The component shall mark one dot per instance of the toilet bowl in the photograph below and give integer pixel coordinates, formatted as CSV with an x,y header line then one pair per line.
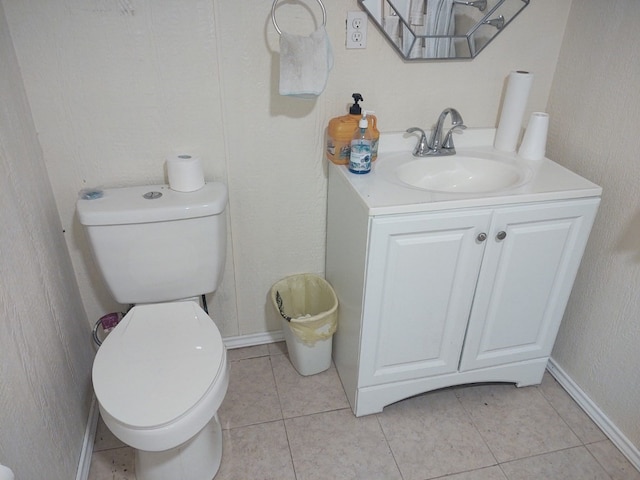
x,y
159,378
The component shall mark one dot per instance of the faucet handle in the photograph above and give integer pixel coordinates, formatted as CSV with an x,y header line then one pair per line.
x,y
448,139
422,145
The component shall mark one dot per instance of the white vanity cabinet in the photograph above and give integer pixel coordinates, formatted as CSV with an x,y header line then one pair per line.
x,y
448,296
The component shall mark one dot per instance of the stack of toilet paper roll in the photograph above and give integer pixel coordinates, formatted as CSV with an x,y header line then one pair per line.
x,y
515,102
185,173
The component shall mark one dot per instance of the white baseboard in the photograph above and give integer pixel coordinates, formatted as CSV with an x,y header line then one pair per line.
x,y
253,339
618,438
87,444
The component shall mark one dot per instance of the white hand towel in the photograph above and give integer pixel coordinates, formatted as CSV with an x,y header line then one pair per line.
x,y
305,63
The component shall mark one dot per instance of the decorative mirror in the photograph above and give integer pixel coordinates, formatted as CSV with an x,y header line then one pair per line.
x,y
441,29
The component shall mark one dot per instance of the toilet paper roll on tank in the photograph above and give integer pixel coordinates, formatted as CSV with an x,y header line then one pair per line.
x,y
185,173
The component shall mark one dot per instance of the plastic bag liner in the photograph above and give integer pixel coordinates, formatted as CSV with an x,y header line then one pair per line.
x,y
309,305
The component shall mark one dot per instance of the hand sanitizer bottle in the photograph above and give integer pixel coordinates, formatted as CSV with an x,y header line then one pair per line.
x,y
360,159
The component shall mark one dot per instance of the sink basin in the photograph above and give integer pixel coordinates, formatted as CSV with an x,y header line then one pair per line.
x,y
460,174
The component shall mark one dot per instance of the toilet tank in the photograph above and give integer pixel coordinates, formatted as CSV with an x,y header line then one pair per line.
x,y
153,244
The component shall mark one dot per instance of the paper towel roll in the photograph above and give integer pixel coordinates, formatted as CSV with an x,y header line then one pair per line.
x,y
515,103
6,473
534,143
185,173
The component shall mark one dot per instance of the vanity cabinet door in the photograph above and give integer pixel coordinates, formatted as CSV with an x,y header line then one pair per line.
x,y
530,262
421,275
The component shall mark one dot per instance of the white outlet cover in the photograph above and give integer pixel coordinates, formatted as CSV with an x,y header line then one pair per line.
x,y
356,29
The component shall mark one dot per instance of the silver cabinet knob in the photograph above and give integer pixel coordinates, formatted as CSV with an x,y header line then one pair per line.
x,y
481,237
501,235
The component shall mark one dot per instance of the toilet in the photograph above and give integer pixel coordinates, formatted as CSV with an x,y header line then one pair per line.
x,y
162,373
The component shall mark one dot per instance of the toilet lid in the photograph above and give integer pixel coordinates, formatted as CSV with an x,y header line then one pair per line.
x,y
157,363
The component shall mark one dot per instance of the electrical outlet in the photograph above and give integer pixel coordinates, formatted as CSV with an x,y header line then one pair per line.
x,y
356,29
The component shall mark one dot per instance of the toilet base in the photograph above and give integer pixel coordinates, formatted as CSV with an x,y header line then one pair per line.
x,y
197,459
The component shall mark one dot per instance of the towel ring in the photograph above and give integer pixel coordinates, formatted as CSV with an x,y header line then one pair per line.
x,y
275,24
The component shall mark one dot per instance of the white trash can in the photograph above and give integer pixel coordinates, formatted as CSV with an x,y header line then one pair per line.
x,y
308,307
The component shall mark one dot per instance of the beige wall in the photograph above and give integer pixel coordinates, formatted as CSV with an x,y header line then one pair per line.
x,y
45,343
116,86
595,124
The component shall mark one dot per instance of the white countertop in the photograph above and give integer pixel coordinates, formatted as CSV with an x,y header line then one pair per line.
x,y
383,194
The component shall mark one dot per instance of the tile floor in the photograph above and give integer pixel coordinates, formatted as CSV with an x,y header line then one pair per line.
x,y
279,425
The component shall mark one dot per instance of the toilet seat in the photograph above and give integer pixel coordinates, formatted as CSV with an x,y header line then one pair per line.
x,y
161,363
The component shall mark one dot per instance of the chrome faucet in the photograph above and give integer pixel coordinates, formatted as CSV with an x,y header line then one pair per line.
x,y
437,146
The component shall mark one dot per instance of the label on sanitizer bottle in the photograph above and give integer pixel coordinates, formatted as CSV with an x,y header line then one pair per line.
x,y
360,159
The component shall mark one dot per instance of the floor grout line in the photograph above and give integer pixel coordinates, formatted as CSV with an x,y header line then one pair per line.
x,y
393,454
470,418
